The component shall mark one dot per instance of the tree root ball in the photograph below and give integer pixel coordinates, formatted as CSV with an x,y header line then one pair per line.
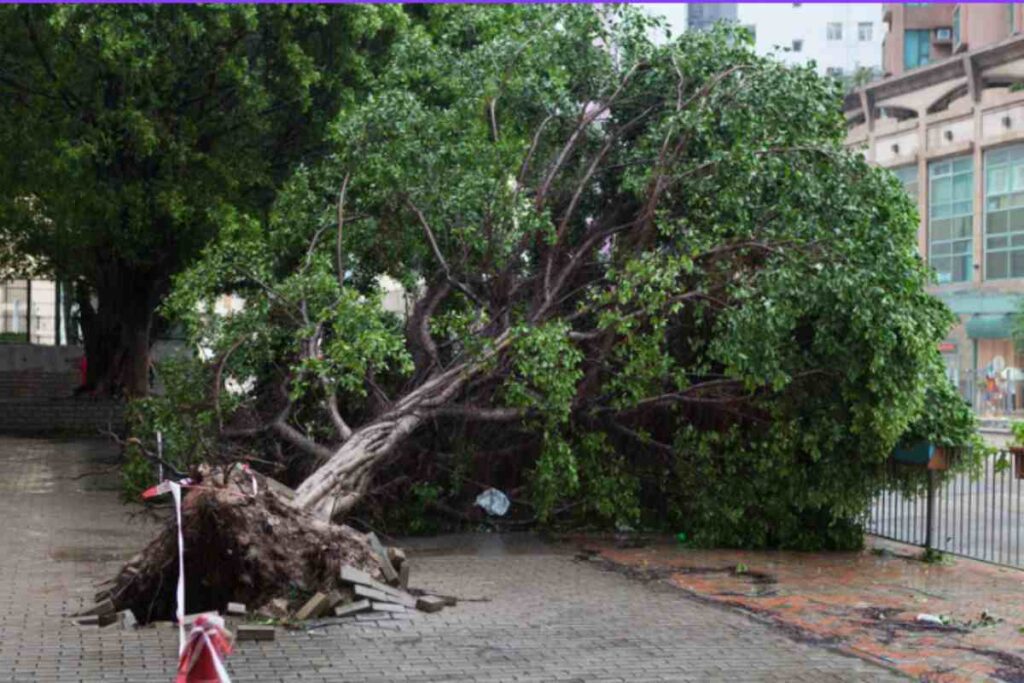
x,y
239,547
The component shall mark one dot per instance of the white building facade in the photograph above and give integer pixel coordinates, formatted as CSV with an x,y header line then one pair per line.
x,y
841,39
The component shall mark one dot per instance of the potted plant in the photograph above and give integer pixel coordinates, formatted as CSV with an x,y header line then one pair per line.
x,y
1017,448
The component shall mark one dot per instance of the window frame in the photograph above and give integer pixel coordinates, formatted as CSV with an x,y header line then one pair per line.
x,y
965,244
901,173
870,25
956,28
829,33
926,45
1013,164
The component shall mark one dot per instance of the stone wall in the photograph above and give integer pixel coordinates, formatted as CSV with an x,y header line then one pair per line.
x,y
60,417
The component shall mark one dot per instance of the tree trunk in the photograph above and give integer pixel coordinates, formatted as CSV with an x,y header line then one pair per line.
x,y
340,483
334,489
118,331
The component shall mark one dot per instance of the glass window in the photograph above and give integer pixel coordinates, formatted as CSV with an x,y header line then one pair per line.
x,y
916,44
834,30
798,46
864,31
1004,213
908,176
950,218
956,27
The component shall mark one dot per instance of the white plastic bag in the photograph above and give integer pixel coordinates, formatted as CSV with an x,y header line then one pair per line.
x,y
494,502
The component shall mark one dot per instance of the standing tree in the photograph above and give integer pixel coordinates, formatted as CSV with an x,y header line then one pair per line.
x,y
132,135
628,258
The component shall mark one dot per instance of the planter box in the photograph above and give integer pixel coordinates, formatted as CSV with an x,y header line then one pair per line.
x,y
920,453
939,461
1018,461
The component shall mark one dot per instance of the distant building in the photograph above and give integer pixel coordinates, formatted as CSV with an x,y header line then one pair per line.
x,y
32,312
952,130
922,33
701,16
844,41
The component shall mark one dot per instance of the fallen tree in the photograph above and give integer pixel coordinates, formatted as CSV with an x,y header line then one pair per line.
x,y
631,263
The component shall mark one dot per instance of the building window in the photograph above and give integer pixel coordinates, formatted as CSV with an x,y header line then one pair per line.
x,y
834,30
864,31
950,218
798,46
956,28
1004,213
834,71
915,48
752,30
797,4
908,176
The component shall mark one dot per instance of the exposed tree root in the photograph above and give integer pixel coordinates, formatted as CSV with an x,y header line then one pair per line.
x,y
239,547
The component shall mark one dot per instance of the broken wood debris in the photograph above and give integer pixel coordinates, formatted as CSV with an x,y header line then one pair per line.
x,y
430,603
390,573
316,606
255,632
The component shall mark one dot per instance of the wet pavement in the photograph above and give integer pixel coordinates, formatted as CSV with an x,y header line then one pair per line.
x,y
865,603
530,611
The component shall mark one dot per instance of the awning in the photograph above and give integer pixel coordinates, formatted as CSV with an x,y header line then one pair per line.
x,y
990,327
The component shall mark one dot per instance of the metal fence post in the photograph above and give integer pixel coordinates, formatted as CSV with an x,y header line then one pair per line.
x,y
930,512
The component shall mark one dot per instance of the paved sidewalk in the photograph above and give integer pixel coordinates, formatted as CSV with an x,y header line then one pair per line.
x,y
540,615
863,603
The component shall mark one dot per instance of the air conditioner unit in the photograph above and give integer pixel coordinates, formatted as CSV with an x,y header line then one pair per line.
x,y
943,35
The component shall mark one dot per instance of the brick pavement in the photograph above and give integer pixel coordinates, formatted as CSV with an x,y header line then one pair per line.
x,y
865,603
541,616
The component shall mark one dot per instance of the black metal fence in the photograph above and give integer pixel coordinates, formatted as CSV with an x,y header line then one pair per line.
x,y
977,516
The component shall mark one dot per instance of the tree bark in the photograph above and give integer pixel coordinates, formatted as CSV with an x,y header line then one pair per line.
x,y
117,332
340,483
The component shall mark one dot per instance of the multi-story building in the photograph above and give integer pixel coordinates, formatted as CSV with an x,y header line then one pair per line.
x,y
950,124
703,15
921,33
844,40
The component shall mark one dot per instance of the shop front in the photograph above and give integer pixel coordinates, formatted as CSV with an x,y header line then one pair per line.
x,y
981,355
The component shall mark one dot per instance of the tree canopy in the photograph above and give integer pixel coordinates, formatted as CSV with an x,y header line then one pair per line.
x,y
132,135
651,287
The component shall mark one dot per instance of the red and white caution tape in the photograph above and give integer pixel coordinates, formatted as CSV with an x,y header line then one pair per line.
x,y
179,608
200,660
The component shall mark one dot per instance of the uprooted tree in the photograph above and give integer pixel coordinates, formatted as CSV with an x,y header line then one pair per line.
x,y
650,270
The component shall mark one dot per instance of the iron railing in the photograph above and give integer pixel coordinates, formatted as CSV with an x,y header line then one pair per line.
x,y
976,515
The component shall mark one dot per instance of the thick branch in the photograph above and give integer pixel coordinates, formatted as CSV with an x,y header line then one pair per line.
x,y
479,414
440,257
338,261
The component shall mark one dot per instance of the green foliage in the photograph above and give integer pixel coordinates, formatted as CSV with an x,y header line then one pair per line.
x,y
413,516
181,414
735,360
132,135
1017,429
